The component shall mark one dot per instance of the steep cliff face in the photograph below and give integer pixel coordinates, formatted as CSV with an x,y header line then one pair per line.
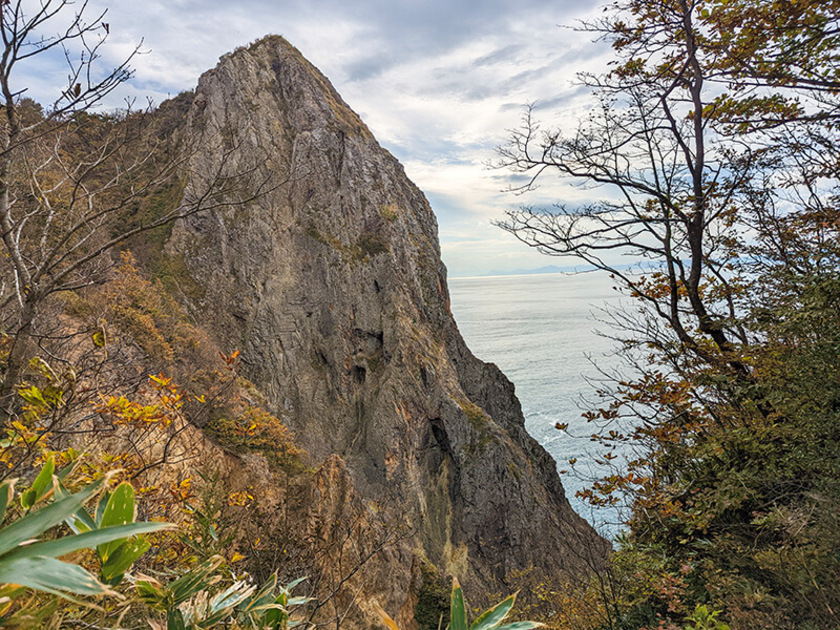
x,y
330,283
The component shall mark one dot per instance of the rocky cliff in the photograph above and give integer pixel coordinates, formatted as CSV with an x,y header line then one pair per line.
x,y
330,283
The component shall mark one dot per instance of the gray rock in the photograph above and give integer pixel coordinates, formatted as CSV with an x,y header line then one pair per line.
x,y
330,283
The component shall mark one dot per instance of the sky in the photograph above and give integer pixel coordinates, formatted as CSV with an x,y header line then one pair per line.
x,y
438,83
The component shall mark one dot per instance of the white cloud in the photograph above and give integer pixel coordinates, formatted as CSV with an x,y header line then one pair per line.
x,y
437,81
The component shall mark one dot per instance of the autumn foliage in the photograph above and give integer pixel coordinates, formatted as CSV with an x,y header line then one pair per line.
x,y
715,135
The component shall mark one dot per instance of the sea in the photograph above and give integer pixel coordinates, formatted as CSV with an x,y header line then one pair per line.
x,y
549,334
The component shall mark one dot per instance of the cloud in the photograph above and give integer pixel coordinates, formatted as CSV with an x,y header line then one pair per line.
x,y
437,81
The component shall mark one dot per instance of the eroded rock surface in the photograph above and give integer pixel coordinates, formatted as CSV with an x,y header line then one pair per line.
x,y
331,285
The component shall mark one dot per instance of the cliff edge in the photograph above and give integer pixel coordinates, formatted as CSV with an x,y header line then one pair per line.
x,y
330,283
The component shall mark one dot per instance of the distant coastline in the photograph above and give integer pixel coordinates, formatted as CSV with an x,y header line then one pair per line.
x,y
546,270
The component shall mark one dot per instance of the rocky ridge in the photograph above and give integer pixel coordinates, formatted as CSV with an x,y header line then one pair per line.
x,y
330,283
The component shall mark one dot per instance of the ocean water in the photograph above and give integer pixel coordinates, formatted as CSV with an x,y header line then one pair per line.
x,y
542,331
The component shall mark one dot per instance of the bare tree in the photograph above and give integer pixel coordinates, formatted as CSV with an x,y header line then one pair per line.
x,y
74,182
714,142
699,156
671,186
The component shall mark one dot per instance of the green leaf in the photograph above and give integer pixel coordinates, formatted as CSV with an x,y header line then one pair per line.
x,y
81,521
88,540
175,620
151,594
118,511
521,625
122,559
458,609
53,395
196,580
27,499
100,508
7,492
222,605
274,617
64,472
494,616
266,613
298,601
294,583
264,597
39,487
33,524
51,576
120,507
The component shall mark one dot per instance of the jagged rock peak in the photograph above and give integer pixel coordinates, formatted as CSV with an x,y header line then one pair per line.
x,y
316,90
330,283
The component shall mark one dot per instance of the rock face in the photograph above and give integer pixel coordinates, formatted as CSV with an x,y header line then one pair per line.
x,y
330,283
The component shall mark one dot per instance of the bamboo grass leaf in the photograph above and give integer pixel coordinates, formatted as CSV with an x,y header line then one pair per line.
x,y
494,616
122,559
521,625
39,487
118,511
7,492
88,540
36,523
458,608
52,576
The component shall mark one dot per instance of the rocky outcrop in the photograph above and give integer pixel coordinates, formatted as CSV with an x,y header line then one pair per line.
x,y
330,283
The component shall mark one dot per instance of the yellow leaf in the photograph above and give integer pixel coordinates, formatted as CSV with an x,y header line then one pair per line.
x,y
385,617
99,339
